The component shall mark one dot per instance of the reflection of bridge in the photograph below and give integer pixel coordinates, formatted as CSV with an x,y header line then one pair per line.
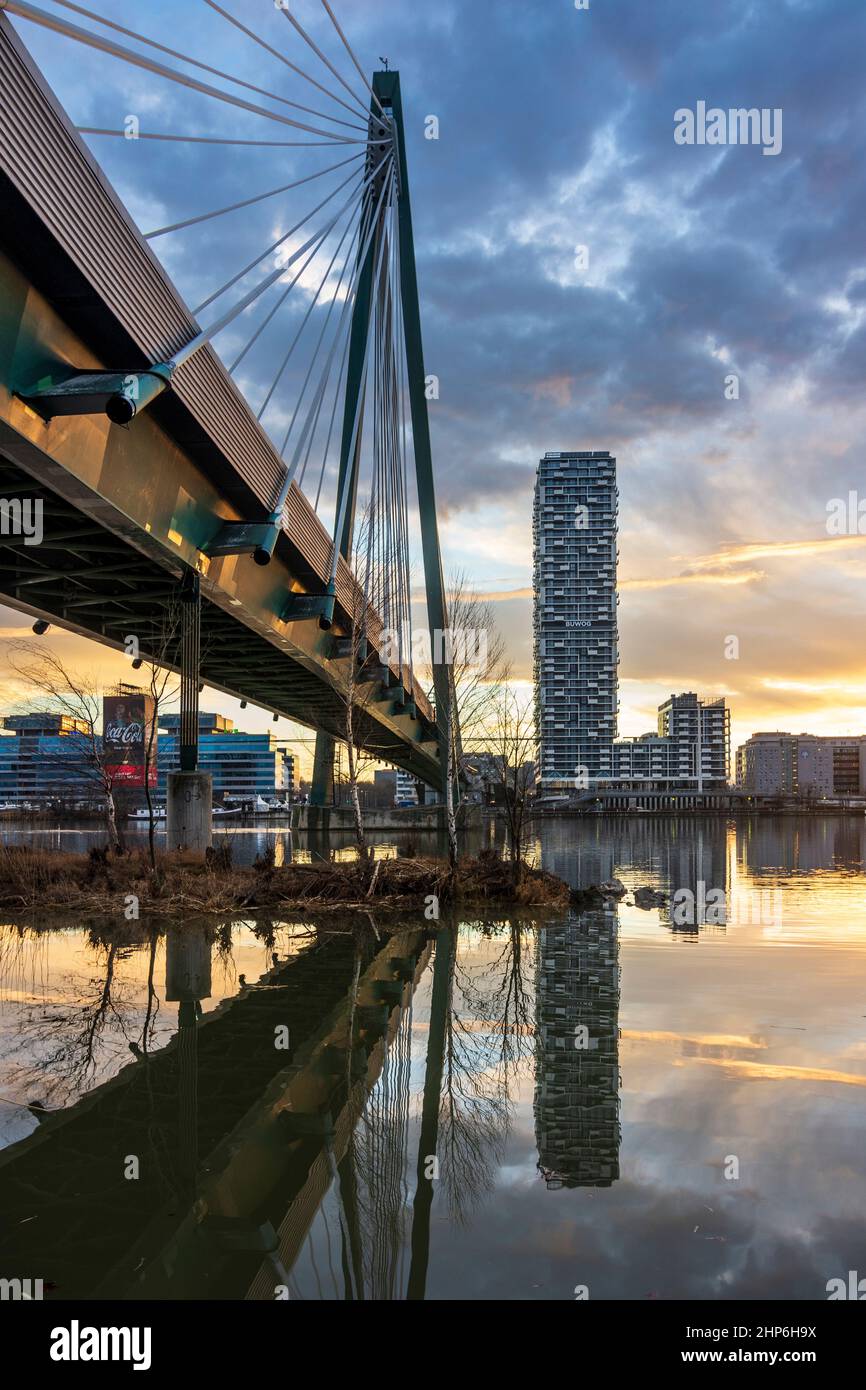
x,y
93,332
236,1140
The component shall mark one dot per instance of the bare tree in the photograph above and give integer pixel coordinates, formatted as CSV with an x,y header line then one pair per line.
x,y
80,699
475,651
163,687
478,660
512,740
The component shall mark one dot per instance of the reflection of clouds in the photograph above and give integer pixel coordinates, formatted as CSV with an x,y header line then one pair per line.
x,y
768,1071
717,1040
700,1029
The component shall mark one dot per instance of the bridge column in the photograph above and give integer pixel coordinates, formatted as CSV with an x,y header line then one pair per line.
x,y
189,794
189,811
322,790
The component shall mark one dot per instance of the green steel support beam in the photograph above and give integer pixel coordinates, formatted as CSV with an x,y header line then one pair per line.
x,y
387,87
322,791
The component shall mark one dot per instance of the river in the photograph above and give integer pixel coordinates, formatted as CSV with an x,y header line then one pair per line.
x,y
637,1102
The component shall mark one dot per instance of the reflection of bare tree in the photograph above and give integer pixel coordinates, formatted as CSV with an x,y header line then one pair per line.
x,y
64,1037
73,1042
148,1028
489,1037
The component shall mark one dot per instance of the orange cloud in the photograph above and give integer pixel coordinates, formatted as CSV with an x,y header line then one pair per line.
x,y
554,388
771,550
674,580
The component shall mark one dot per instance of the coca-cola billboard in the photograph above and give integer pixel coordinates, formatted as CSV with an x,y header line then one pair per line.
x,y
127,721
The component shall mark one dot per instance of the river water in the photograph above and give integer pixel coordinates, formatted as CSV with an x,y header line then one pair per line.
x,y
637,1102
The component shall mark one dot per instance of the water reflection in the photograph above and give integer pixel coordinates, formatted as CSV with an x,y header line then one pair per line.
x,y
577,1080
245,843
479,1108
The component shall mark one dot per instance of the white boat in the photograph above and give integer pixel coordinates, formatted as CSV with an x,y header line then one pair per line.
x,y
222,811
142,813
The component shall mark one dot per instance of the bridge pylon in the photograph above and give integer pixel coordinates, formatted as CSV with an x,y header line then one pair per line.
x,y
386,117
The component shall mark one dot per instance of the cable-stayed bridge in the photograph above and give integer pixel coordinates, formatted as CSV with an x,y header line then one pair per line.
x,y
282,523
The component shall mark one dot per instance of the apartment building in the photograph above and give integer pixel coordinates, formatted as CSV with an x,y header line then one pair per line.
x,y
575,618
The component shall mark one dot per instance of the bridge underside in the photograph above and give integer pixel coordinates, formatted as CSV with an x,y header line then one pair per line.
x,y
88,579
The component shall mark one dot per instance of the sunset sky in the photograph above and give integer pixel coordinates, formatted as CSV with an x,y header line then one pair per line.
x,y
556,131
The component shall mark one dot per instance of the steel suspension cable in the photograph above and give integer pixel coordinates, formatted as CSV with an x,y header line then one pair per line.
x,y
273,247
318,395
347,338
282,57
248,202
315,407
342,501
400,370
403,392
194,62
319,54
208,333
338,392
225,140
350,299
291,285
116,50
351,54
307,315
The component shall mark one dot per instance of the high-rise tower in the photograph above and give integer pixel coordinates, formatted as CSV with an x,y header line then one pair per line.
x,y
575,555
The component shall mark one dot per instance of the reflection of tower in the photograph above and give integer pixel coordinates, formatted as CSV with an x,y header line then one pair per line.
x,y
694,874
577,1052
187,982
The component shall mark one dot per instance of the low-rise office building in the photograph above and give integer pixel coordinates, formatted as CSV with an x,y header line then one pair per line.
x,y
45,758
48,759
241,765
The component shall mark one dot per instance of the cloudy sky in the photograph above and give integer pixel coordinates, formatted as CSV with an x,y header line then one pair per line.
x,y
556,131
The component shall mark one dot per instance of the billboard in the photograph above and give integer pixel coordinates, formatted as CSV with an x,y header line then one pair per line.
x,y
127,721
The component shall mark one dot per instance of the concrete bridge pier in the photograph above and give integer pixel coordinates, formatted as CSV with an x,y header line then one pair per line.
x,y
188,810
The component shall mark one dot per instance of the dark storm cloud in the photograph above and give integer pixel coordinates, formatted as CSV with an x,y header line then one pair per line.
x,y
522,91
556,130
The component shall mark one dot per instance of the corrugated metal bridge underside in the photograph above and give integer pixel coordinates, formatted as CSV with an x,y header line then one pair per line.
x,y
127,510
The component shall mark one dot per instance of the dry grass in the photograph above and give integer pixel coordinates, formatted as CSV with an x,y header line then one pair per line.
x,y
97,884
